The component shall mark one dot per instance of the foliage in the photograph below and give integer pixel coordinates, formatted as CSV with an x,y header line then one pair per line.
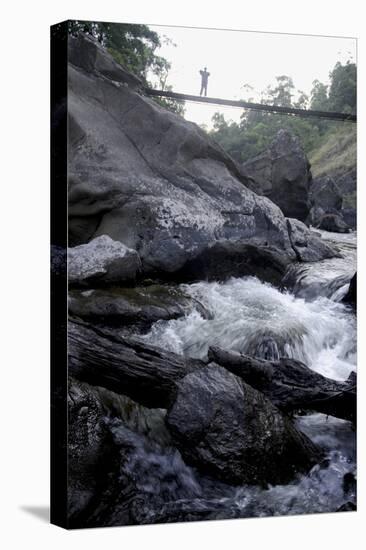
x,y
257,129
342,91
337,152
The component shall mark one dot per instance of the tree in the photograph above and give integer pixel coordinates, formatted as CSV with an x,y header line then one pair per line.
x,y
319,96
257,129
282,94
342,91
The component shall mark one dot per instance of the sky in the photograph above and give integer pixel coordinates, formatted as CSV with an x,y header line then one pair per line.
x,y
236,58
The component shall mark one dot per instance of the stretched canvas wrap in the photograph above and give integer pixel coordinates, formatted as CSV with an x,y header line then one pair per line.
x,y
203,274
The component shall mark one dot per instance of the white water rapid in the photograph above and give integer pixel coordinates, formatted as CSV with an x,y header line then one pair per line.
x,y
308,323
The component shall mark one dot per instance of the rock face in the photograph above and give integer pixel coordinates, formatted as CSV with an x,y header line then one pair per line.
x,y
230,430
155,182
282,173
102,260
326,206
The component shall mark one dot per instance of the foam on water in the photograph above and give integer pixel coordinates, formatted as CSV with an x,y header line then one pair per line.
x,y
310,325
255,318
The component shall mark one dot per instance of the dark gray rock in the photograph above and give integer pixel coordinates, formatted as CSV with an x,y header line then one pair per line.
x,y
91,453
307,245
140,306
58,261
282,173
315,213
333,223
290,384
347,182
225,259
349,215
347,507
326,206
351,296
146,374
151,180
325,194
102,261
93,59
335,194
231,431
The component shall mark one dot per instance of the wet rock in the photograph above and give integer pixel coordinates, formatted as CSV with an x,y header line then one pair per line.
x,y
351,296
91,453
307,245
225,259
282,173
349,484
231,431
146,374
102,261
290,384
140,306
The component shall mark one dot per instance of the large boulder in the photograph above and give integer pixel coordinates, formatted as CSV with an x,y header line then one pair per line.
x,y
151,180
282,173
102,260
231,431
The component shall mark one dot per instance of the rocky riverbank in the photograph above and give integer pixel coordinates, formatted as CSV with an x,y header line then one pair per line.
x,y
199,378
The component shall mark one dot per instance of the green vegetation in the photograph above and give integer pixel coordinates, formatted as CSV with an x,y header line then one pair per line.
x,y
336,153
256,129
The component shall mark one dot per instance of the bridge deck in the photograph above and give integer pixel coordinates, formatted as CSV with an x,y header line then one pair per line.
x,y
253,106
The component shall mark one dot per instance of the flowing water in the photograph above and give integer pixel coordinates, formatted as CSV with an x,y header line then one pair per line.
x,y
307,322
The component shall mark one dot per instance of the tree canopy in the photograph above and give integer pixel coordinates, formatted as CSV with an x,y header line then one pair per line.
x,y
256,129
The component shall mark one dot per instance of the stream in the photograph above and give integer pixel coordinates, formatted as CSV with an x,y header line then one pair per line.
x,y
306,321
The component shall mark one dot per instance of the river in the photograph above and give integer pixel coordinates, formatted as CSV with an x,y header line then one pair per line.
x,y
307,321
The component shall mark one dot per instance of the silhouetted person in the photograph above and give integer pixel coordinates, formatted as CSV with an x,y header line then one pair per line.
x,y
204,80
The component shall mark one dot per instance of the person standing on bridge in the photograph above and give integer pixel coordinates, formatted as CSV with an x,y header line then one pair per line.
x,y
204,81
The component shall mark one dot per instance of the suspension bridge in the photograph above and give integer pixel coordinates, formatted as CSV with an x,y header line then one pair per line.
x,y
345,117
